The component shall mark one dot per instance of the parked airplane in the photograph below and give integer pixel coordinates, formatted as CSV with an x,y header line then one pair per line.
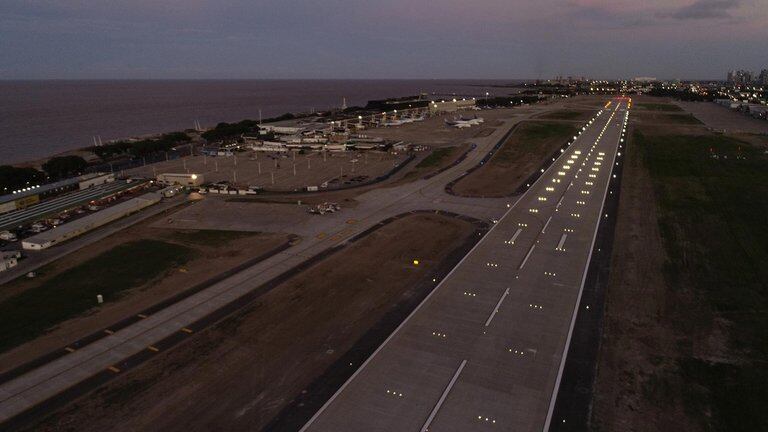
x,y
476,120
458,123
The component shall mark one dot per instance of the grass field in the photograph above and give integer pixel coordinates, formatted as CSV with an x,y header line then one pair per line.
x,y
659,107
66,295
435,157
566,115
528,146
711,193
209,237
531,136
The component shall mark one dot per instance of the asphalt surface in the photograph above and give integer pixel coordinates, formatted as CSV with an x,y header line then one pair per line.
x,y
486,349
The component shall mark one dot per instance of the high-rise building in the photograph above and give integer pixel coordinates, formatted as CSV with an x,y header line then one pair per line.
x,y
740,77
763,80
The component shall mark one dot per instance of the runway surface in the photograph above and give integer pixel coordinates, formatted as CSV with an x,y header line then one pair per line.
x,y
485,351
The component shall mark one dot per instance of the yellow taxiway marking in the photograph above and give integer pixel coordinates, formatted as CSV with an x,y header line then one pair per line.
x,y
70,349
352,221
114,369
320,236
153,348
186,330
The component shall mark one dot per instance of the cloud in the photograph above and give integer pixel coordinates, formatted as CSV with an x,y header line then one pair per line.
x,y
706,9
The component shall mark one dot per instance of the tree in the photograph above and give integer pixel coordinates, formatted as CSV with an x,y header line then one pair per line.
x,y
63,166
12,178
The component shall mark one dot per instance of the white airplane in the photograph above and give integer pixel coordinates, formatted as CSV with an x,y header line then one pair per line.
x,y
393,123
477,120
459,124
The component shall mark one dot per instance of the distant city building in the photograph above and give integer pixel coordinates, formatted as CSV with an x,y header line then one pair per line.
x,y
740,77
645,79
763,80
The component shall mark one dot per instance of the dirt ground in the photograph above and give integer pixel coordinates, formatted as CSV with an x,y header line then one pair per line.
x,y
238,374
256,169
210,260
637,332
515,160
650,328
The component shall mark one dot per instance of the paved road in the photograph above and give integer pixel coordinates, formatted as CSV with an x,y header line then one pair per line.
x,y
374,206
485,350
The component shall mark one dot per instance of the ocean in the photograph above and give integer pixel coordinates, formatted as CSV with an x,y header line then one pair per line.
x,y
42,118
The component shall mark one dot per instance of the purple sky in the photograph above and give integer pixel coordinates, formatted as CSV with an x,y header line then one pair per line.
x,y
380,39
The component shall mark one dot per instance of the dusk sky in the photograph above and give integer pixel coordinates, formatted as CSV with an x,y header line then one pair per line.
x,y
381,39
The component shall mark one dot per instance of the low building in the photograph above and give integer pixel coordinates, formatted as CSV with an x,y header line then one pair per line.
x,y
95,180
87,223
280,130
451,105
189,180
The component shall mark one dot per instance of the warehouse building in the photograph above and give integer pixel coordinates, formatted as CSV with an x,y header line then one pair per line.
x,y
451,105
188,180
28,196
92,180
80,226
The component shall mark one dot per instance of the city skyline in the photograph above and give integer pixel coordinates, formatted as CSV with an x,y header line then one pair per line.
x,y
700,39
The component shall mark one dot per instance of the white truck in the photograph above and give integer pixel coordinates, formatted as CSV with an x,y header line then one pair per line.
x,y
8,236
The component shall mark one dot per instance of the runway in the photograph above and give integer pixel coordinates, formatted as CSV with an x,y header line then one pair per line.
x,y
486,349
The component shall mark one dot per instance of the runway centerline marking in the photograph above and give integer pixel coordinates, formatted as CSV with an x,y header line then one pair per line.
x,y
447,390
496,308
526,256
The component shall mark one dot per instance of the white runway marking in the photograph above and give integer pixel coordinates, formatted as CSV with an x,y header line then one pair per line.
x,y
526,256
514,237
562,242
432,415
546,225
496,308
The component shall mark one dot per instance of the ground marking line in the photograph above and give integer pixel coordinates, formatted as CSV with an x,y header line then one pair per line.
x,y
432,415
496,308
